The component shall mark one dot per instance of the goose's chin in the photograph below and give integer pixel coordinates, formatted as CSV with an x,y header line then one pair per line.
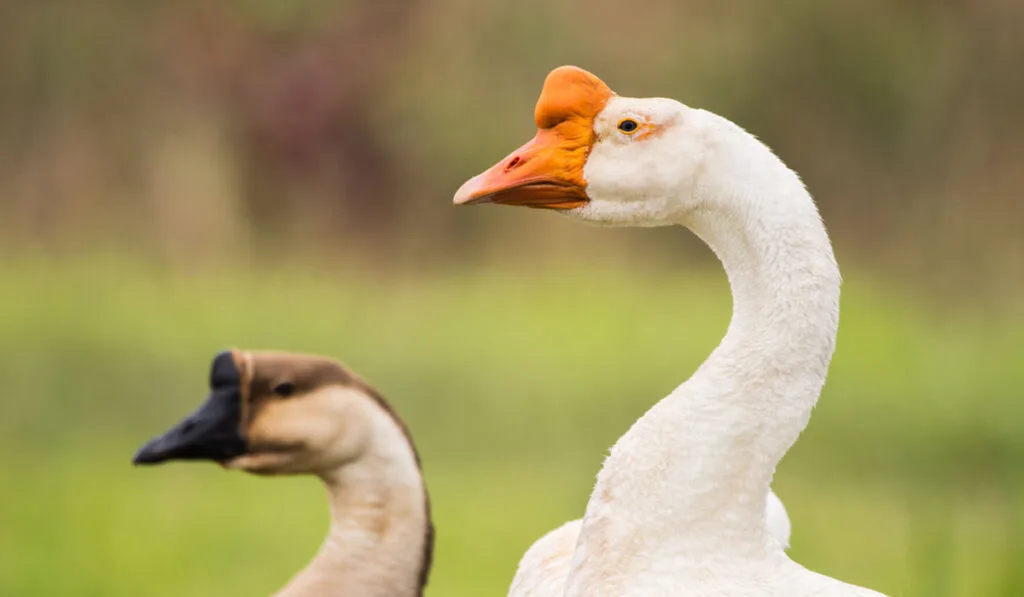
x,y
605,213
263,462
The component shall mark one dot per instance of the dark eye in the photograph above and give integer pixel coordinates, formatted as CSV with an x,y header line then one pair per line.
x,y
284,389
628,125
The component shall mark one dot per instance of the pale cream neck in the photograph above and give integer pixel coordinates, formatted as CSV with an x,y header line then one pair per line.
x,y
380,535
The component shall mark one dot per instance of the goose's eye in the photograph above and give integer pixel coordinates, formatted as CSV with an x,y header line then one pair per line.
x,y
284,389
628,125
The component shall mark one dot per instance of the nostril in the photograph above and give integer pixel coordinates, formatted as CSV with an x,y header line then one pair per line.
x,y
512,163
188,426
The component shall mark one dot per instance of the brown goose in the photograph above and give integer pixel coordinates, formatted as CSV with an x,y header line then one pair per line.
x,y
275,413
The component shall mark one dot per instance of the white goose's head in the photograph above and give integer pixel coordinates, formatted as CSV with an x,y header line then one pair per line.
x,y
601,157
281,413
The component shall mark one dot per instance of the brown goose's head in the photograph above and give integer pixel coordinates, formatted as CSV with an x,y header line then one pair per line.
x,y
278,413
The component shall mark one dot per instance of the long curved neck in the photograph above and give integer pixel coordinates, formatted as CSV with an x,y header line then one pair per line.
x,y
753,396
689,479
380,536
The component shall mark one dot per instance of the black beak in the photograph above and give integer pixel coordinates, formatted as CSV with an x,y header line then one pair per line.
x,y
213,432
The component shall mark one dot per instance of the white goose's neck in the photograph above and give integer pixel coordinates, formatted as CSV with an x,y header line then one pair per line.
x,y
688,481
379,540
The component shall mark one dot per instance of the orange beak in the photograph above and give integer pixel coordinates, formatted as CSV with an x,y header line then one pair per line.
x,y
547,172
540,174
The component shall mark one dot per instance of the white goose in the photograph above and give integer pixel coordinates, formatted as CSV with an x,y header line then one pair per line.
x,y
273,413
679,505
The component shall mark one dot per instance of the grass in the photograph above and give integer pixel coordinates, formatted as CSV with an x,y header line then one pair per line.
x,y
514,383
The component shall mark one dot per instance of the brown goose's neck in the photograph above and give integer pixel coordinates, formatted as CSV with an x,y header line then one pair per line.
x,y
380,539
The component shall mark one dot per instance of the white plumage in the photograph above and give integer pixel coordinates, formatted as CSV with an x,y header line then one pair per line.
x,y
679,505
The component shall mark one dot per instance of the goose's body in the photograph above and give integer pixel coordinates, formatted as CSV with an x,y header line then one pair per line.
x,y
277,413
678,507
545,567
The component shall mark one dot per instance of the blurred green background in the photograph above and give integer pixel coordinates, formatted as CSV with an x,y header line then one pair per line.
x,y
178,177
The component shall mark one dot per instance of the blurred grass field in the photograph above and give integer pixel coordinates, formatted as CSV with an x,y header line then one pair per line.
x,y
514,383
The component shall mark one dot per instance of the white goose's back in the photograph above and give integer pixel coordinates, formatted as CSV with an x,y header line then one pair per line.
x,y
544,568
